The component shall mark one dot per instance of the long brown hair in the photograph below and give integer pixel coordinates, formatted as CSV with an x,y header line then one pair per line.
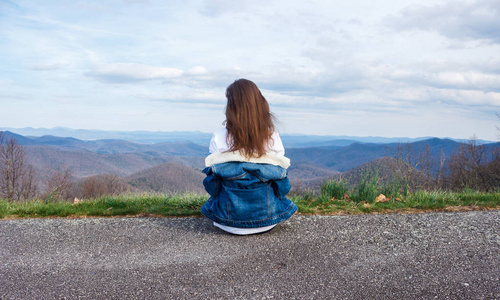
x,y
249,121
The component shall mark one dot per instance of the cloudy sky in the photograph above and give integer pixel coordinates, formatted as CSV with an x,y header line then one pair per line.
x,y
362,67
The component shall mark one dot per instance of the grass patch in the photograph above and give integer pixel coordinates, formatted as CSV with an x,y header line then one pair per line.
x,y
368,188
161,205
190,204
418,201
336,189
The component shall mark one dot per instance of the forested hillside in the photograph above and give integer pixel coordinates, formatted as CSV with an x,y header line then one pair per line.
x,y
176,166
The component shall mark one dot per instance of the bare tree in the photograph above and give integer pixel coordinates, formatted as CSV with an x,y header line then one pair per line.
x,y
498,126
100,185
492,169
92,187
115,185
58,185
415,167
17,179
29,183
468,167
440,174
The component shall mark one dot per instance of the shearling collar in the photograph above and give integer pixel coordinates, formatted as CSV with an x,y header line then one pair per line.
x,y
222,157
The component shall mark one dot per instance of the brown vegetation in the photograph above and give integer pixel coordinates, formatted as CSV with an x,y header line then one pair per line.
x,y
58,186
17,178
468,168
101,185
416,168
86,163
471,166
306,176
168,177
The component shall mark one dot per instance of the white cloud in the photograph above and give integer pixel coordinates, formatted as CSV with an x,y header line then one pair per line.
x,y
483,100
215,8
48,66
465,80
478,19
127,72
333,63
197,70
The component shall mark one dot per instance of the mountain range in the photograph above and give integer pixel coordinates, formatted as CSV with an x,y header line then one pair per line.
x,y
175,165
203,138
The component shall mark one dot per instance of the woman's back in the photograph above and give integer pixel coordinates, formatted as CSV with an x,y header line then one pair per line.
x,y
246,170
220,138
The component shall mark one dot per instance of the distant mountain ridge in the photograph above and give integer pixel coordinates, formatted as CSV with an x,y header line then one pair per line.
x,y
146,137
110,146
348,157
203,138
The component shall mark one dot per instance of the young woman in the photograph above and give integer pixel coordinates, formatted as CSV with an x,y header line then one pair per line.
x,y
246,170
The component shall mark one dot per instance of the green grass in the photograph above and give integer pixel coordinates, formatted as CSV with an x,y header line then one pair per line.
x,y
190,204
336,188
418,201
161,205
367,189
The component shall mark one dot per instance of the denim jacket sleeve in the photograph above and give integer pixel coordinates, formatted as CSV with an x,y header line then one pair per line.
x,y
211,182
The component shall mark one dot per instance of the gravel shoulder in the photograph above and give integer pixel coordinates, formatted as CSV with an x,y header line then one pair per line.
x,y
393,256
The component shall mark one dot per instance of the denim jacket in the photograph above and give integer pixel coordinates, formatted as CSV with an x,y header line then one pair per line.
x,y
247,193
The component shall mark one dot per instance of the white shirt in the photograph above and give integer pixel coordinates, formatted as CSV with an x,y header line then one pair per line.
x,y
244,231
219,143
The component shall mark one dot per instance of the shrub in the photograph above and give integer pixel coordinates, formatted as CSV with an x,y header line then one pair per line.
x,y
336,188
395,188
368,188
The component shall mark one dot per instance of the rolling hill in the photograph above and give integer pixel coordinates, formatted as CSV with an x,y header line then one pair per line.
x,y
87,163
348,157
168,177
386,169
310,165
112,146
309,176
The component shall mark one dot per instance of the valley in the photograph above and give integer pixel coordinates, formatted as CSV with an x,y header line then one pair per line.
x,y
175,165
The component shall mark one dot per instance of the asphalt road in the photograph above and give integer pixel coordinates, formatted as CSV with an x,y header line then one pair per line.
x,y
413,256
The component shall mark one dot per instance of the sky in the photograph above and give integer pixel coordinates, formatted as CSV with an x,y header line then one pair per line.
x,y
358,68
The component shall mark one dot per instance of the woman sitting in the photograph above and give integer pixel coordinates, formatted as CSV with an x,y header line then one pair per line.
x,y
246,170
